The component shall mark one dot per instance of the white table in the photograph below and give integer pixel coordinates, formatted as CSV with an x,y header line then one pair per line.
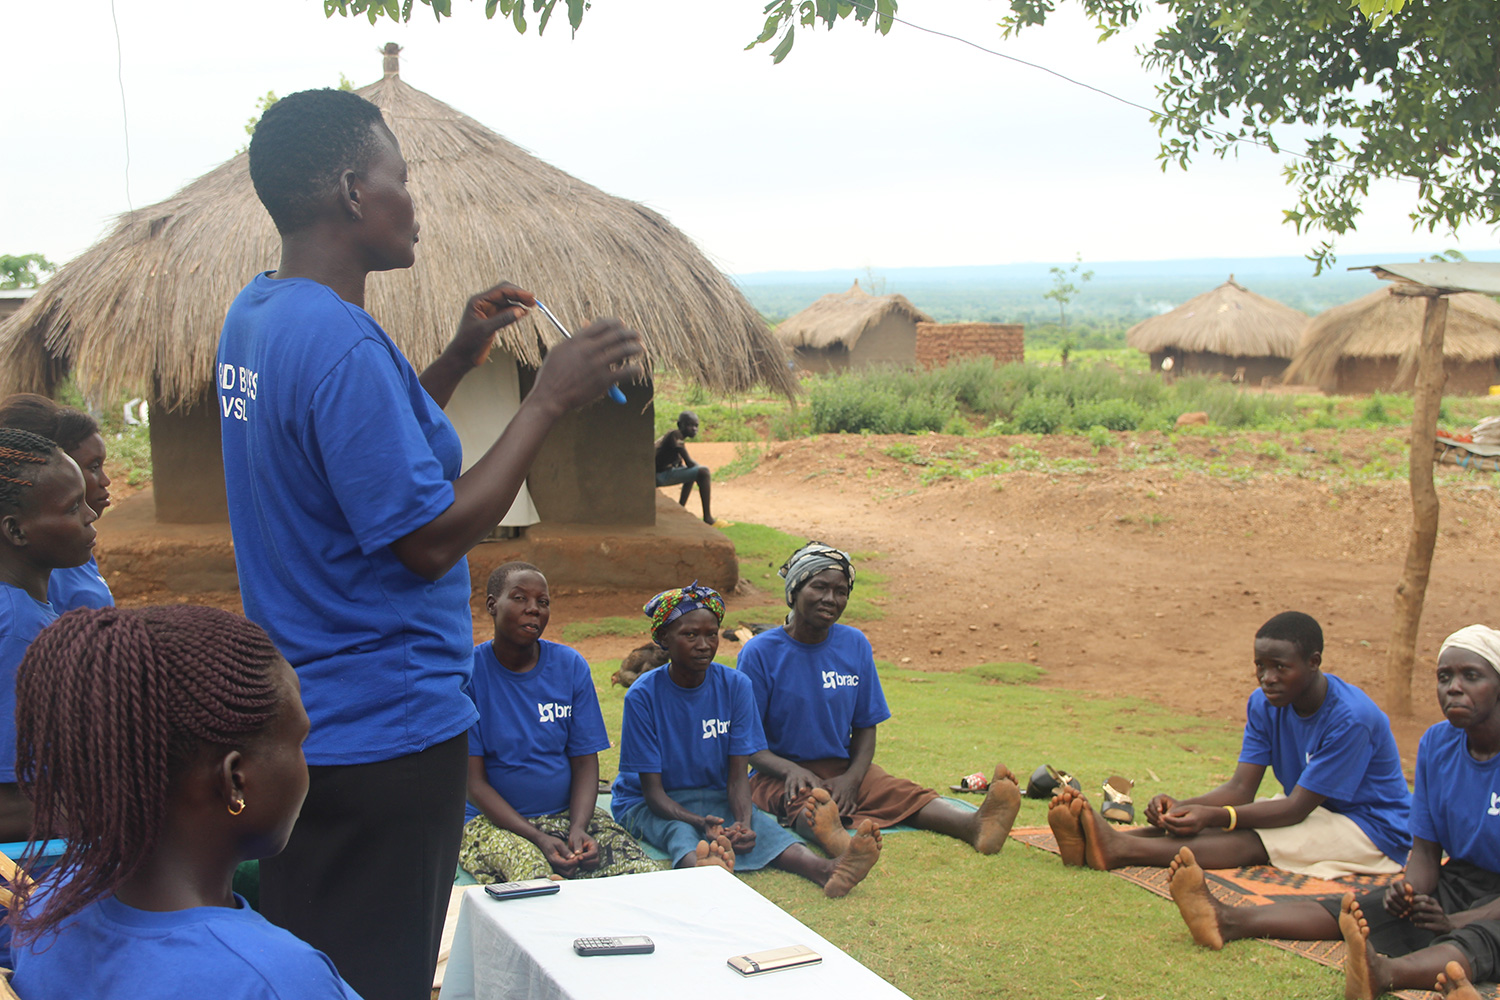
x,y
522,949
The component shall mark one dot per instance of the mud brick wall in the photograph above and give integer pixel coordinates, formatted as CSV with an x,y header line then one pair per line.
x,y
939,343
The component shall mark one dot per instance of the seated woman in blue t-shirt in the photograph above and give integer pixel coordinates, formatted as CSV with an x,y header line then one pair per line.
x,y
165,744
685,745
534,753
1441,922
820,702
77,434
1344,801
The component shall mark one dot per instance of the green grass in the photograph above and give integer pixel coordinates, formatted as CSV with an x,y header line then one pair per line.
x,y
762,550
613,625
939,921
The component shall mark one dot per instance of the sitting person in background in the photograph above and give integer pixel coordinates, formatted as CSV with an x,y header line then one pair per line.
x,y
674,465
534,753
77,434
819,701
1441,922
685,744
1344,800
165,745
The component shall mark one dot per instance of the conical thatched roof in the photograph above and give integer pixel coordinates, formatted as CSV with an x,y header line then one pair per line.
x,y
145,304
1384,324
1229,320
843,317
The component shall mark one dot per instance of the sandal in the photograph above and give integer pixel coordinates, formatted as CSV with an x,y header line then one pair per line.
x,y
976,782
1118,806
1046,780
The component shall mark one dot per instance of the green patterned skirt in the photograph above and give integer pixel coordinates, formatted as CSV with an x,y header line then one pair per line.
x,y
491,854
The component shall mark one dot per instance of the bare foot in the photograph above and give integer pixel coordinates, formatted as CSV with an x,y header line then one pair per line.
x,y
855,863
1062,817
716,852
1452,983
1096,834
997,813
819,821
1359,957
1200,911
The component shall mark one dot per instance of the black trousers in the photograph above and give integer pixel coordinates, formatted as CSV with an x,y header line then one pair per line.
x,y
369,868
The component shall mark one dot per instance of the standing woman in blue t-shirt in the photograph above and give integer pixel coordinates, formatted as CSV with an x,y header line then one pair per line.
x,y
534,751
77,434
351,524
45,525
1441,922
165,745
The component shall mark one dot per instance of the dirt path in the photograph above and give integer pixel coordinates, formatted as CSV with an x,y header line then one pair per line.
x,y
1123,582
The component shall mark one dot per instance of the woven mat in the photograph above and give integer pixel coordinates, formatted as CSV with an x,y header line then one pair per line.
x,y
1257,885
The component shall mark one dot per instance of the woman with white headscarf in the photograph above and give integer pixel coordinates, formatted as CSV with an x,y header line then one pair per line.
x,y
1441,922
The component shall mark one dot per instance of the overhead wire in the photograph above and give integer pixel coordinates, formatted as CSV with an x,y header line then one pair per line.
x,y
124,112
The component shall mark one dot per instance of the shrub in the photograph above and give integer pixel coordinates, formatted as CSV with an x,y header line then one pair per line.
x,y
1040,415
1111,414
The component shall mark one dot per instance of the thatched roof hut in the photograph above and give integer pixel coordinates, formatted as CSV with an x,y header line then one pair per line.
x,y
142,308
1229,330
852,329
1370,345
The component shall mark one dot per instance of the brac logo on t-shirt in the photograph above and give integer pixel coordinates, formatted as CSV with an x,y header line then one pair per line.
x,y
833,679
714,728
552,711
1494,809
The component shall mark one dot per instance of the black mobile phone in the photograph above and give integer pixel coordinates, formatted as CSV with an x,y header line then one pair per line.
x,y
635,945
520,890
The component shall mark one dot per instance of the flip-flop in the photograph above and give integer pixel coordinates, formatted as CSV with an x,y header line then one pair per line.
x,y
1118,806
976,782
1046,780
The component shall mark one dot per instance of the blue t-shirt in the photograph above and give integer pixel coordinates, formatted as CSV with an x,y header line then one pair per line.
x,y
110,951
79,587
332,451
1457,801
21,618
813,695
530,724
1344,751
686,735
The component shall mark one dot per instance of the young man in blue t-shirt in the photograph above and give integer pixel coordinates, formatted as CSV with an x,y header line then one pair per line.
x,y
1441,922
534,751
1343,806
685,743
820,702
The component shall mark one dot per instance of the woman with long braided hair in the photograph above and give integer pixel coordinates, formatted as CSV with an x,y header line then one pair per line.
x,y
45,525
77,434
165,744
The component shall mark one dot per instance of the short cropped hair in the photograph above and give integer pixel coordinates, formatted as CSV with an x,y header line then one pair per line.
x,y
504,572
1295,627
26,411
302,144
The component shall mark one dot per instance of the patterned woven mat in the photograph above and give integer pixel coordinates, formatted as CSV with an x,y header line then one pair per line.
x,y
1257,885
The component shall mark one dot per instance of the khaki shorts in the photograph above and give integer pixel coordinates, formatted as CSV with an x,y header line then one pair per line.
x,y
1324,845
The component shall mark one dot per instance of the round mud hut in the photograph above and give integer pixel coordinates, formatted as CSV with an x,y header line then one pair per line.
x,y
1229,331
141,310
853,329
1370,345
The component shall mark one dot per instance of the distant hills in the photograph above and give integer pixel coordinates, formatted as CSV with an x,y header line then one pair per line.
x,y
1121,291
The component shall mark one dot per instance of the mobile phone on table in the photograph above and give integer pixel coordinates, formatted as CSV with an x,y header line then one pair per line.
x,y
637,944
758,963
520,890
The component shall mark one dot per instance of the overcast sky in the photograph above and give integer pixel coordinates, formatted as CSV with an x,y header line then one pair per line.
x,y
907,150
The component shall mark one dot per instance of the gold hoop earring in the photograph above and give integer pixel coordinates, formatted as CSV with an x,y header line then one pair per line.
x,y
236,807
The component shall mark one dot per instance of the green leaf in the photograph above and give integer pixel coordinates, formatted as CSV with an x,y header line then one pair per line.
x,y
518,16
575,13
779,53
489,8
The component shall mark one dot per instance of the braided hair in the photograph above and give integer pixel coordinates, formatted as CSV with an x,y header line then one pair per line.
x,y
111,705
22,456
27,411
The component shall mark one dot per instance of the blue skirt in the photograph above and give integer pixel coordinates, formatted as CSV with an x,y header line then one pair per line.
x,y
677,839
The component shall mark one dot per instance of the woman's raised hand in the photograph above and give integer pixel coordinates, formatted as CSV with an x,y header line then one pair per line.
x,y
484,315
581,370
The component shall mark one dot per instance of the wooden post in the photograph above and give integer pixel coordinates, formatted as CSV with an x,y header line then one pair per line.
x,y
1411,591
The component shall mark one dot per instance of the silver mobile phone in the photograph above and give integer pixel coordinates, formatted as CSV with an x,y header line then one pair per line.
x,y
520,890
758,963
637,944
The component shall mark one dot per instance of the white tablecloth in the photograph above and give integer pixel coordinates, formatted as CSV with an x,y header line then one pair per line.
x,y
522,949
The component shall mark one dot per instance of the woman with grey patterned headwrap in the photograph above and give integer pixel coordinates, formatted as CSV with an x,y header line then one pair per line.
x,y
820,702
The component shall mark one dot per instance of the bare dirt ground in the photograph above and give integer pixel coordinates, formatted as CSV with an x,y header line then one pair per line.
x,y
1124,582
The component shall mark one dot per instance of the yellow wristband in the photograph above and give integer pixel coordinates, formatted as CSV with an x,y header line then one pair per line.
x,y
1234,819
